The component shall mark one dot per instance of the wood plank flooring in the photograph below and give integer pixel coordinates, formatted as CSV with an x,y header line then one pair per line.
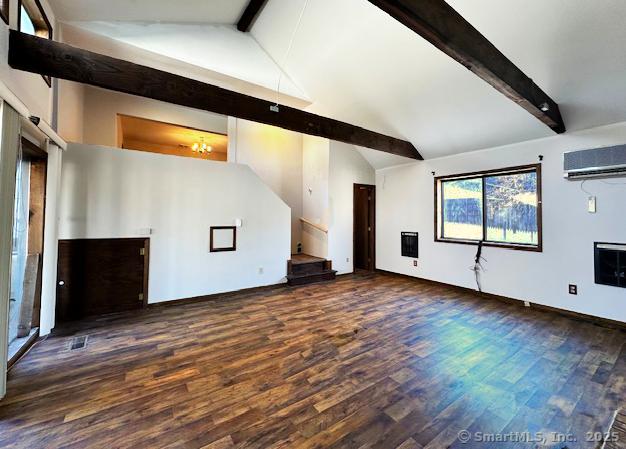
x,y
367,361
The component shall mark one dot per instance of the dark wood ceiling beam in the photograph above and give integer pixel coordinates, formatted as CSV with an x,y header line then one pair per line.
x,y
249,14
446,29
46,57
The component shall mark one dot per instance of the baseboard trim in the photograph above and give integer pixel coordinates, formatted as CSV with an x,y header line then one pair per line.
x,y
225,295
217,296
604,322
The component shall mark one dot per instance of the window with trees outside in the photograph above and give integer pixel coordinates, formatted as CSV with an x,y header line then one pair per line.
x,y
499,207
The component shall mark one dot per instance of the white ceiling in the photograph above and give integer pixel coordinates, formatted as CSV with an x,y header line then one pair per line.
x,y
357,64
191,11
220,48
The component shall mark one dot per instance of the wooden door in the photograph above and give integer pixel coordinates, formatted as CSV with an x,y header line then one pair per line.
x,y
364,227
99,276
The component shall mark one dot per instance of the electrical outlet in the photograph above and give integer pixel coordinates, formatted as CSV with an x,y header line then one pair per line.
x,y
573,289
260,270
415,263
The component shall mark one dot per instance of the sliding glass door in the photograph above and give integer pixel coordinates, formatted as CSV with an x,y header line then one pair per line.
x,y
26,249
19,251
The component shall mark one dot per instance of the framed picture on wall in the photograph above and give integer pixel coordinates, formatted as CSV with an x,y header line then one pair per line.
x,y
223,238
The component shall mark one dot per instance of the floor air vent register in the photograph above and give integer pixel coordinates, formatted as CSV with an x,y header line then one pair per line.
x,y
78,342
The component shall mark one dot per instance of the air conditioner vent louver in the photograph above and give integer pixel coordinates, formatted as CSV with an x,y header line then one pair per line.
x,y
599,162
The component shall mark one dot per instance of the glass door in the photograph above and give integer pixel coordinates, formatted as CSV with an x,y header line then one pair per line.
x,y
18,251
26,248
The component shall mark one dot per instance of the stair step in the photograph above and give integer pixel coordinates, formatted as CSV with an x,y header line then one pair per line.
x,y
307,268
310,278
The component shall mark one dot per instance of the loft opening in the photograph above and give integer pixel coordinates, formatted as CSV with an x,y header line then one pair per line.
x,y
141,134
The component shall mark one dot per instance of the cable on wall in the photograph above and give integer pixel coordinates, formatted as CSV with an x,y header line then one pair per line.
x,y
275,108
614,184
478,266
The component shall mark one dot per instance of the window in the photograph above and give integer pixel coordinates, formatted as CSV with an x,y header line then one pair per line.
x,y
32,19
4,10
500,207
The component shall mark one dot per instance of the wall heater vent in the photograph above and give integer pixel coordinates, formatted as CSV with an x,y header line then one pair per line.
x,y
596,163
409,243
610,264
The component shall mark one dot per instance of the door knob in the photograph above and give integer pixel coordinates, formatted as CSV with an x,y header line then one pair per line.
x,y
61,283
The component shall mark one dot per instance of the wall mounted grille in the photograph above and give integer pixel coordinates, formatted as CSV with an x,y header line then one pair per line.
x,y
610,264
410,244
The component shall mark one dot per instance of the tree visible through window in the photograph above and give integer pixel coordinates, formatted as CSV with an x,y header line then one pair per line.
x,y
463,209
501,208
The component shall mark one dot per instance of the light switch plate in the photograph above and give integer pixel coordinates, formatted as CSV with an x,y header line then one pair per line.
x,y
591,205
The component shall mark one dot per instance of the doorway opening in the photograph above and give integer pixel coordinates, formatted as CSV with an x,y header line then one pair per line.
x,y
27,249
364,253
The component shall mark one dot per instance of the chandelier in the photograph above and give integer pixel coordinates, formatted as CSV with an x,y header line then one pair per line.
x,y
201,147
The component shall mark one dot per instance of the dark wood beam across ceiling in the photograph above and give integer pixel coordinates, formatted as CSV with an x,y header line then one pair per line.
x,y
446,29
46,57
249,14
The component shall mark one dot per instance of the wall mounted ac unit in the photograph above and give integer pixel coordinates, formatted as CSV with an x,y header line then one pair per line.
x,y
596,163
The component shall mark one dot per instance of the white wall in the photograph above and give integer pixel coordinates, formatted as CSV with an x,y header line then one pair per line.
x,y
275,155
315,173
405,203
101,108
347,167
71,111
111,193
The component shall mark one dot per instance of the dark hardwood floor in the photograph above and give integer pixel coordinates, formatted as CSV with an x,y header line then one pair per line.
x,y
367,361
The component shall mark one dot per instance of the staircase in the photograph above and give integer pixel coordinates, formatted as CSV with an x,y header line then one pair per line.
x,y
304,269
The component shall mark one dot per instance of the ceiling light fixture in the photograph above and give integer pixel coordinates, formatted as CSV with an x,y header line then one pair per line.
x,y
201,147
545,107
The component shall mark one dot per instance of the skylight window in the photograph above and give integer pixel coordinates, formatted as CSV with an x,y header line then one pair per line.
x,y
32,20
26,24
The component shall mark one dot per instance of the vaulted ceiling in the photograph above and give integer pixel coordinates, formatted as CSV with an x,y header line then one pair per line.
x,y
355,63
187,11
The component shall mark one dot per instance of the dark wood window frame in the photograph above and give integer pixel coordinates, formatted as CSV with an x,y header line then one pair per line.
x,y
438,221
37,3
5,10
